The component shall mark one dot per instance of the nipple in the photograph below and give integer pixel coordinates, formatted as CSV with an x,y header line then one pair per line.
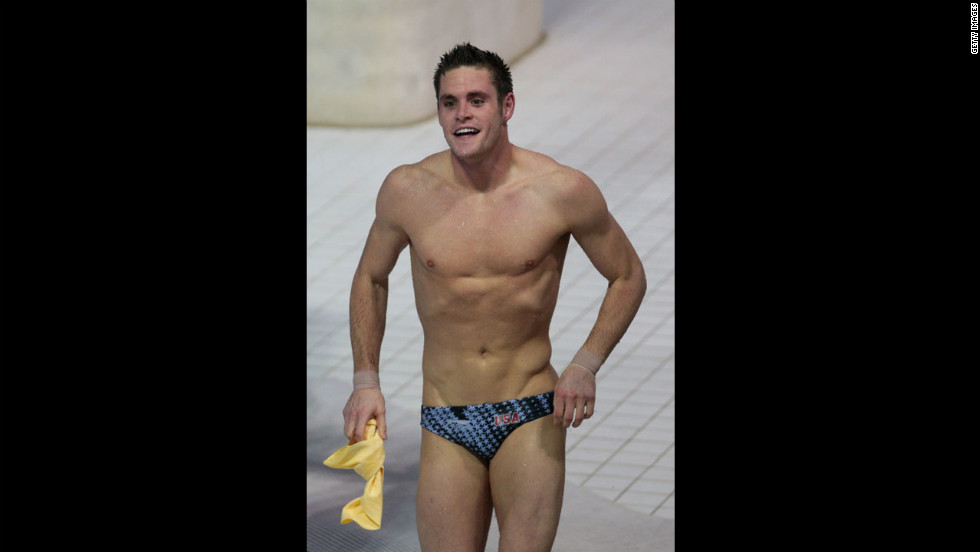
x,y
529,265
430,263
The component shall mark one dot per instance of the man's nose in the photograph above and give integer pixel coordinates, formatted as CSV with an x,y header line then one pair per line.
x,y
463,113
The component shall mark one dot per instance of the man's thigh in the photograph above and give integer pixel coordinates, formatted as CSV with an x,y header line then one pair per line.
x,y
452,505
528,480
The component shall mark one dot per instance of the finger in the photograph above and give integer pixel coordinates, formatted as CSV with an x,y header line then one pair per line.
x,y
589,408
359,427
579,412
569,413
558,410
382,426
349,419
560,414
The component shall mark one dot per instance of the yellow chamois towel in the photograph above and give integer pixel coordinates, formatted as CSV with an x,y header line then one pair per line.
x,y
366,458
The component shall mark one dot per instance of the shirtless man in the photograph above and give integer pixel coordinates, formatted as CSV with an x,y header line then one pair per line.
x,y
487,224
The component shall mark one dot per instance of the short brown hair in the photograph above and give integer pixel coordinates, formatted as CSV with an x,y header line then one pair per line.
x,y
467,55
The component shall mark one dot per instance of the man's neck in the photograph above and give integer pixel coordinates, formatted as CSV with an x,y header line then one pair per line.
x,y
487,173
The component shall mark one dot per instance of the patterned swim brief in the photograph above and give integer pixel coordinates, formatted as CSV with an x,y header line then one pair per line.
x,y
482,428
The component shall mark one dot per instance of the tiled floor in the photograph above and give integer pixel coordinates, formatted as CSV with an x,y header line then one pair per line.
x,y
598,95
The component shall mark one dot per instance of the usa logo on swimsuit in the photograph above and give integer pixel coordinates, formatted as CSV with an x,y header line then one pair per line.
x,y
509,418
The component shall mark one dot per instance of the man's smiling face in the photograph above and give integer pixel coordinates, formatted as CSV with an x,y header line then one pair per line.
x,y
470,113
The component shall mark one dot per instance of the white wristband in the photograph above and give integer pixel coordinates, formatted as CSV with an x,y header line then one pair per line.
x,y
588,360
366,379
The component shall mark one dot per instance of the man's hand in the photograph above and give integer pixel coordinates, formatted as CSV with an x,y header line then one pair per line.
x,y
363,405
574,396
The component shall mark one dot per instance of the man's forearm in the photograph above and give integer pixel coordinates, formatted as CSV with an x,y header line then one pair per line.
x,y
368,305
619,307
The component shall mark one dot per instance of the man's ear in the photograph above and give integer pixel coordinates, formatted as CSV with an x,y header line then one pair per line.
x,y
508,106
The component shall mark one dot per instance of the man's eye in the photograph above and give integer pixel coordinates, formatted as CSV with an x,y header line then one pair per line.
x,y
448,103
477,101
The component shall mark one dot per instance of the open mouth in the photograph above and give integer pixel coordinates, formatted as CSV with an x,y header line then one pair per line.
x,y
463,132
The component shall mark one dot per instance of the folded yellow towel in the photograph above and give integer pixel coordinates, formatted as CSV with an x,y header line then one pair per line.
x,y
366,458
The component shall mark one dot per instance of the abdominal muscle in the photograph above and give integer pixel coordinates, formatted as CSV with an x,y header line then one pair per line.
x,y
486,339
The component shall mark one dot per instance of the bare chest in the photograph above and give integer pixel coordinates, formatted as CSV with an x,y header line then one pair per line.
x,y
480,237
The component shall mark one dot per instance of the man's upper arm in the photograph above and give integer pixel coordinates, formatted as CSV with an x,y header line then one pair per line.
x,y
387,237
597,232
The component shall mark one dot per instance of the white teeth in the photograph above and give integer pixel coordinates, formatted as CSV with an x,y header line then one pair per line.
x,y
464,131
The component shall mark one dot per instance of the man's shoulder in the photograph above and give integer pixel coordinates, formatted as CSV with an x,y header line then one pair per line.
x,y
421,172
552,177
536,161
